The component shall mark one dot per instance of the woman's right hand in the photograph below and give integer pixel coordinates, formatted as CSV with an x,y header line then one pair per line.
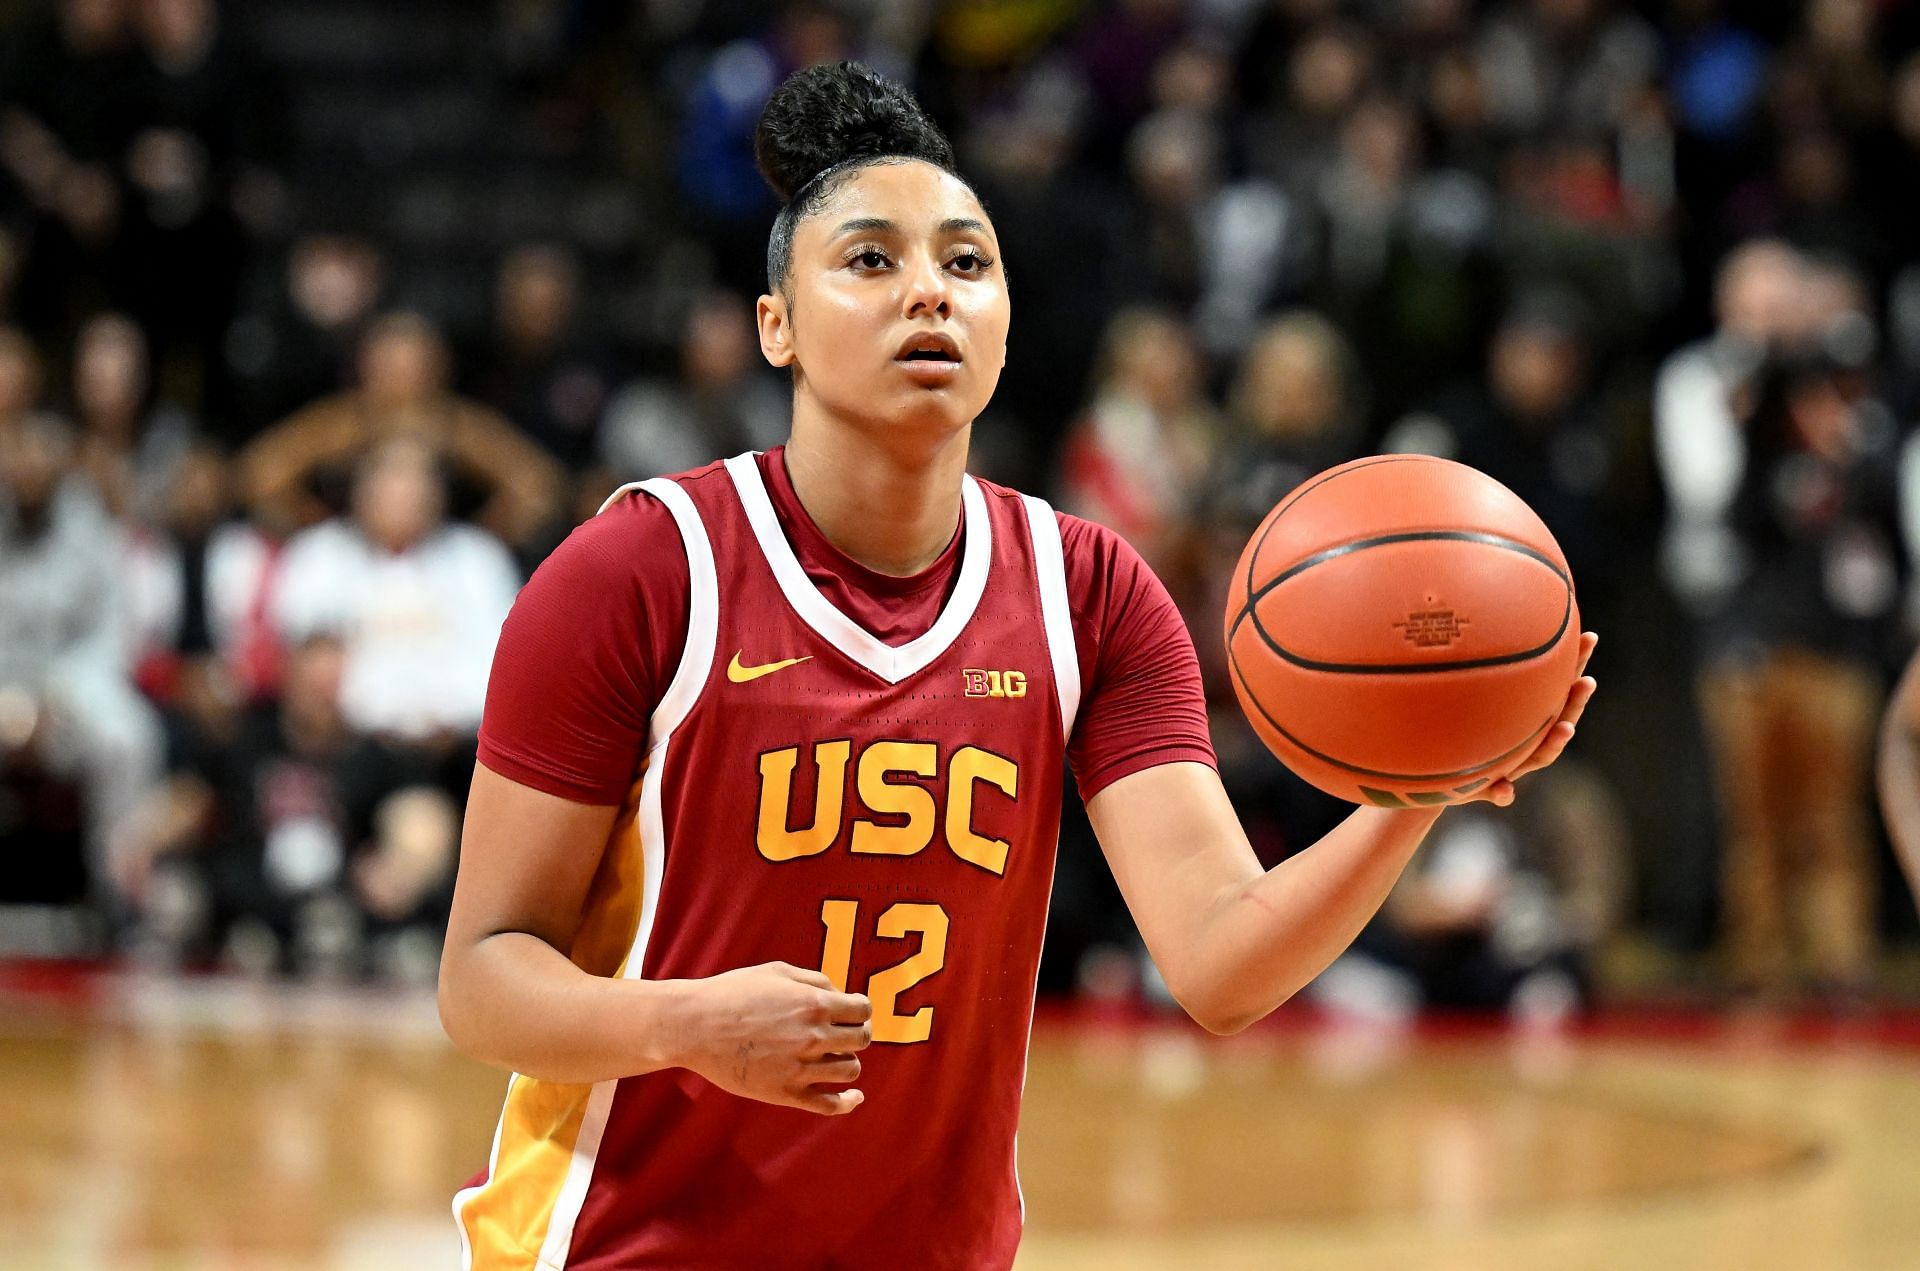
x,y
780,1034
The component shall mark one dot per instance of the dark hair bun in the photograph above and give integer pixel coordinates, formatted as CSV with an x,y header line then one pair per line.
x,y
827,115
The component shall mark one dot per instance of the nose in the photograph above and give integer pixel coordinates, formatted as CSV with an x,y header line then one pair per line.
x,y
928,291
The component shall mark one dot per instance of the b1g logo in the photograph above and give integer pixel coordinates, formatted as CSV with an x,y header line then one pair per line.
x,y
994,683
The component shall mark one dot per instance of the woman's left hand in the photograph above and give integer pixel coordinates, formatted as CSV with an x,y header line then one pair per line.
x,y
1500,791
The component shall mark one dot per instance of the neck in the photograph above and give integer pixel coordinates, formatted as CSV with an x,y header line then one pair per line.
x,y
892,508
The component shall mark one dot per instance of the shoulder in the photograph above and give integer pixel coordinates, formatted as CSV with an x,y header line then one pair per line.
x,y
1083,542
632,538
635,515
1100,563
1089,540
632,547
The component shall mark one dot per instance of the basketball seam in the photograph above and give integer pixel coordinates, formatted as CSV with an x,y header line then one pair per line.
x,y
1425,668
1287,504
1233,662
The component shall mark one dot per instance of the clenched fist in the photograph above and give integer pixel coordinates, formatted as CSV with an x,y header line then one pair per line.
x,y
780,1034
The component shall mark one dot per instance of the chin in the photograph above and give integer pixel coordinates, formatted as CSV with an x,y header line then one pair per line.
x,y
936,416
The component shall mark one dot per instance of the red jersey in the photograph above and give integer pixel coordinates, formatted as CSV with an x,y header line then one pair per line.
x,y
806,791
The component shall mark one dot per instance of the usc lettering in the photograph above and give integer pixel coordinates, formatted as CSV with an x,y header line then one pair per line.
x,y
885,787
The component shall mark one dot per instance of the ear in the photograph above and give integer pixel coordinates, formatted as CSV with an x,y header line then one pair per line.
x,y
776,345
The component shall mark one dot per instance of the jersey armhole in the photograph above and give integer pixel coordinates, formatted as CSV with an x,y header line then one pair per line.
x,y
1056,612
703,605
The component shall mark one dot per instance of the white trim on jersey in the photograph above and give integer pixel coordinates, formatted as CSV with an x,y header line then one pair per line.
x,y
1056,612
696,664
466,1194
843,633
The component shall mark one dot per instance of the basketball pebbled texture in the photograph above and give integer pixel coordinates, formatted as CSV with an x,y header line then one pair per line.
x,y
1401,630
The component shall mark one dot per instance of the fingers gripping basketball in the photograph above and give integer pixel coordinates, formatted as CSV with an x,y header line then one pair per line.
x,y
1402,630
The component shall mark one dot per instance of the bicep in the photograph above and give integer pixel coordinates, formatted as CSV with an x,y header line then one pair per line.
x,y
527,859
1175,847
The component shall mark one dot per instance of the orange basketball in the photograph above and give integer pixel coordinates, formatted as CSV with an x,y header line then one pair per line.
x,y
1402,630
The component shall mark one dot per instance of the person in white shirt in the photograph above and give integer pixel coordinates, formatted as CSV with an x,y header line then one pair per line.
x,y
417,600
67,699
1697,412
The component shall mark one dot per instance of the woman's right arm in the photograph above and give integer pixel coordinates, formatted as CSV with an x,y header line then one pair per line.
x,y
509,994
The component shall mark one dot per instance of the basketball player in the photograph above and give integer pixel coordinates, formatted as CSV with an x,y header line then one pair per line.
x,y
758,852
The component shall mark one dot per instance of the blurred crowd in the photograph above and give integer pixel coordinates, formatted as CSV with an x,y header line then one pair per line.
x,y
323,323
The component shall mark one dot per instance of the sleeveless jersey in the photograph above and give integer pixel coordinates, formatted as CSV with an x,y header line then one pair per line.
x,y
812,795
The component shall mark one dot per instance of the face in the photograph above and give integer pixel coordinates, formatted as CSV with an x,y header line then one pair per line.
x,y
718,348
33,460
110,368
398,498
19,374
1291,387
1535,373
1158,364
176,25
537,294
1757,292
895,310
402,363
333,280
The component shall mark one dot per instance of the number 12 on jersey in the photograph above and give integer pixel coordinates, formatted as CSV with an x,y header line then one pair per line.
x,y
884,987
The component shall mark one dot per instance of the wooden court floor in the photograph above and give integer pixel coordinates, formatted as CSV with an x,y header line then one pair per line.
x,y
167,1125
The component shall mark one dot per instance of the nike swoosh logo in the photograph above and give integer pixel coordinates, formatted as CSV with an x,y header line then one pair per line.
x,y
742,674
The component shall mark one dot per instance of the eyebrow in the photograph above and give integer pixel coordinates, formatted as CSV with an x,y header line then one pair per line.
x,y
866,225
881,225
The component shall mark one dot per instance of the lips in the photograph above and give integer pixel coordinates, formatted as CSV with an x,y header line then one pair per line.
x,y
929,346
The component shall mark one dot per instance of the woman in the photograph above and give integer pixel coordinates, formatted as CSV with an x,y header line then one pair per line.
x,y
771,771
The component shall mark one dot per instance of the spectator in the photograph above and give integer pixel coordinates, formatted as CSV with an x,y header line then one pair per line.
x,y
722,401
281,840
201,172
1118,50
721,187
303,347
1790,687
402,393
417,602
1220,251
1498,914
1403,254
22,378
535,370
1699,398
75,97
1067,234
63,657
1296,408
1327,72
1566,64
1533,428
1137,460
131,451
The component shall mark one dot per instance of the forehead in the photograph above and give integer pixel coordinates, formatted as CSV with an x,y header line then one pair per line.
x,y
918,197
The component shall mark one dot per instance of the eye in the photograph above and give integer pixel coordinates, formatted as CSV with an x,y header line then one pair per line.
x,y
869,258
970,262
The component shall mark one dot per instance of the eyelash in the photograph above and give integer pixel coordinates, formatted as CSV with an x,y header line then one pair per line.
x,y
983,262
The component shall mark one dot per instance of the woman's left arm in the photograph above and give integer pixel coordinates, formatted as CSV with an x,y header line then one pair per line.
x,y
1232,941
